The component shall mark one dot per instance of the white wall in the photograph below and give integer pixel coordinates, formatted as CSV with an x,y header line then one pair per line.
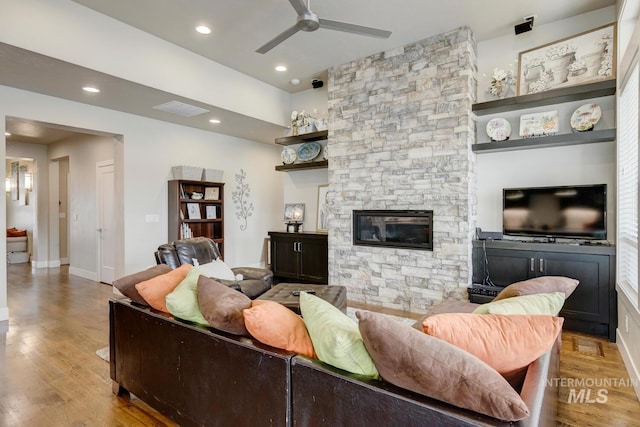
x,y
83,152
502,52
573,165
149,150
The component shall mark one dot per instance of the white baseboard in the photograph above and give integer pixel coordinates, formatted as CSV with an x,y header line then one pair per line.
x,y
4,314
85,274
45,264
632,369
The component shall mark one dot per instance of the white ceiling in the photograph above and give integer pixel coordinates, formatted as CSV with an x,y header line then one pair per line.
x,y
241,26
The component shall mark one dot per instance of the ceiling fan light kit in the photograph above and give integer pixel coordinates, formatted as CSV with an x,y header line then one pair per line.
x,y
309,21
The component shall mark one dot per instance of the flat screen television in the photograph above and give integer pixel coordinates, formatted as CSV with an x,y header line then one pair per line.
x,y
576,212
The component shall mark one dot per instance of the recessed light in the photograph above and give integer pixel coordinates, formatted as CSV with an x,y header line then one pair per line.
x,y
295,82
7,134
214,121
203,29
91,89
281,68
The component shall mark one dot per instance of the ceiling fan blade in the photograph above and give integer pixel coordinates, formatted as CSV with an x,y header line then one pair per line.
x,y
352,28
278,39
300,6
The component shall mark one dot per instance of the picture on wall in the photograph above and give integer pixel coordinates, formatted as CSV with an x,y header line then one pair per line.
x,y
323,209
580,59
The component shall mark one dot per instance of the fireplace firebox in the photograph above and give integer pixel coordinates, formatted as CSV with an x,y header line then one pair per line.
x,y
394,228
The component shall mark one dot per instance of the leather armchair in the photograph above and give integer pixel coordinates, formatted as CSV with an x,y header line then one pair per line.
x,y
255,282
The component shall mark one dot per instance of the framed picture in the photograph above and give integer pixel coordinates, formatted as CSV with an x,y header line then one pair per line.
x,y
323,209
211,212
211,193
584,58
539,124
294,212
193,210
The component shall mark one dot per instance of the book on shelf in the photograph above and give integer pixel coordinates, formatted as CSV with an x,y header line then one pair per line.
x,y
182,196
185,232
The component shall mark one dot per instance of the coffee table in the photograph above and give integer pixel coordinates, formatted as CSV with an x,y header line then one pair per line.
x,y
283,293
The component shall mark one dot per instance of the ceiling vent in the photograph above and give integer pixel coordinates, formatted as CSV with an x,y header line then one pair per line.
x,y
180,109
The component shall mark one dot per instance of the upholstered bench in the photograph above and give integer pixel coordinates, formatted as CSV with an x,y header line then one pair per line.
x,y
284,294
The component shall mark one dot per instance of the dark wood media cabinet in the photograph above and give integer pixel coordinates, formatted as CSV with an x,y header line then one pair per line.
x,y
592,308
300,257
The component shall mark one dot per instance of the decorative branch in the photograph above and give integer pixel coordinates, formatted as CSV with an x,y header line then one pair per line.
x,y
241,199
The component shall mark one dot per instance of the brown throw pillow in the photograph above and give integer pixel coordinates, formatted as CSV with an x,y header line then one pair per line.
x,y
222,306
539,285
423,364
127,284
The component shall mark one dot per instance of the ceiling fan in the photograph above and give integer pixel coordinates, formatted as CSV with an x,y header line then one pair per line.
x,y
309,21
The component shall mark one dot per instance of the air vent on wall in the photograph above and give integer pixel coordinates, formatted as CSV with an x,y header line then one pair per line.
x,y
180,109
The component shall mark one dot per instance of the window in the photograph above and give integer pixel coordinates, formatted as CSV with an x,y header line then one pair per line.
x,y
628,182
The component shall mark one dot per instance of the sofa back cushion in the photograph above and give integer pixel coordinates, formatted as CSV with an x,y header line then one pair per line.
x,y
185,251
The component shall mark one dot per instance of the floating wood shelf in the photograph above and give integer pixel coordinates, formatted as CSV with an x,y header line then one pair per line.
x,y
322,164
577,138
305,137
554,96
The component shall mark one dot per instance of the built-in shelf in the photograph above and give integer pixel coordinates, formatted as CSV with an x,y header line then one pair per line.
x,y
577,138
555,96
305,137
322,164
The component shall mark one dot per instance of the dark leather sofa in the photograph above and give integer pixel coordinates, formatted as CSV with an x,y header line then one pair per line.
x,y
256,281
199,376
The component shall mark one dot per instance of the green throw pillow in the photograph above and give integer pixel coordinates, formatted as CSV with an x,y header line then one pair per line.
x,y
335,337
183,301
550,304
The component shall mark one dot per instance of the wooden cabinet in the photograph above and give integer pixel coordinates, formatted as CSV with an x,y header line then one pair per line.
x,y
300,257
298,139
189,217
592,308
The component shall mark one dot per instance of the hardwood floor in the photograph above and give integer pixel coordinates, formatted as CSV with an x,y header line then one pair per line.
x,y
51,376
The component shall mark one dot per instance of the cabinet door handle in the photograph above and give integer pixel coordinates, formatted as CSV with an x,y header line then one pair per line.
x,y
299,246
532,264
541,265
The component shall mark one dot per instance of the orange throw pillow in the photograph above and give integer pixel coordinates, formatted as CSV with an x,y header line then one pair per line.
x,y
274,324
155,290
507,343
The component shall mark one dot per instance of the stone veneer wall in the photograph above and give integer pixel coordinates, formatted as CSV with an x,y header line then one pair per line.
x,y
400,137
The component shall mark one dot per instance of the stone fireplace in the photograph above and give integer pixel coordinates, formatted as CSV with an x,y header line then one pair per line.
x,y
400,137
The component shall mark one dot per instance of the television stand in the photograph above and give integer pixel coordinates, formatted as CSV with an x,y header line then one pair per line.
x,y
592,308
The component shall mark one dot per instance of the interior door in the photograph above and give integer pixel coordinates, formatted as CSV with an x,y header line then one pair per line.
x,y
106,231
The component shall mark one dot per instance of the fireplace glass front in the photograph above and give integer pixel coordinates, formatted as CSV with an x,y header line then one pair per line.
x,y
394,228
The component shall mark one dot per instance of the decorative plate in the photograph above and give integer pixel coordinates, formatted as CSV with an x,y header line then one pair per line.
x,y
288,155
585,117
499,129
309,151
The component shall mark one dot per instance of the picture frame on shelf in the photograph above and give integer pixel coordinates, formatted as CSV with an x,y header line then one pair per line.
x,y
211,193
210,212
576,60
322,225
545,123
193,210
